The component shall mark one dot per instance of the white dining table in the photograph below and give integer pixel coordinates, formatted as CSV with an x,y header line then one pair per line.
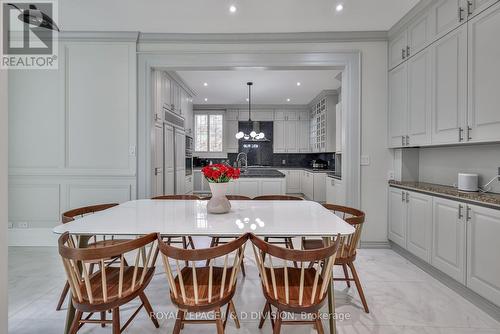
x,y
190,218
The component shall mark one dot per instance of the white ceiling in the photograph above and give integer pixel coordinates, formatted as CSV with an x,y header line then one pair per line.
x,y
212,16
269,86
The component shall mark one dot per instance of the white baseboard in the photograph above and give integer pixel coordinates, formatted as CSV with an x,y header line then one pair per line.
x,y
32,237
375,244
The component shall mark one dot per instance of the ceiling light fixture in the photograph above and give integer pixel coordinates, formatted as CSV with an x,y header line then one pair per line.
x,y
232,9
205,84
287,100
298,83
253,135
206,99
339,8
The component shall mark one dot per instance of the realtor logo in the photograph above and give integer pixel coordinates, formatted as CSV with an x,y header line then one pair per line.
x,y
29,34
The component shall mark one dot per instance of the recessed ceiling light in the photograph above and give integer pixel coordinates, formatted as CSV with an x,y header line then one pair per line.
x,y
206,99
298,83
232,9
247,99
339,8
205,84
287,100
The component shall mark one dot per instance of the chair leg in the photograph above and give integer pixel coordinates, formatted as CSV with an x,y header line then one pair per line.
x,y
267,309
346,274
178,322
358,286
76,322
277,324
191,242
218,322
116,320
184,246
149,309
103,318
63,296
232,310
319,324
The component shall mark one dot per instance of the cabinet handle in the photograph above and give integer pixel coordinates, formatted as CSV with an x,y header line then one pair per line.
x,y
333,183
407,140
407,197
402,53
408,51
460,134
469,129
468,217
402,140
469,7
460,12
460,214
402,196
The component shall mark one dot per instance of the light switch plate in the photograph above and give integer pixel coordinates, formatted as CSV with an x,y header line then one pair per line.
x,y
22,225
365,160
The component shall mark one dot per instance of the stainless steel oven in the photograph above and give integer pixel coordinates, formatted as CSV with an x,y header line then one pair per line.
x,y
189,145
189,164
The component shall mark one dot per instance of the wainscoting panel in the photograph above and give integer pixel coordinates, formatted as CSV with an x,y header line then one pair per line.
x,y
89,194
32,203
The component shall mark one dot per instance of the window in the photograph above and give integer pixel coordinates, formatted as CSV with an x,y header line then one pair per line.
x,y
208,130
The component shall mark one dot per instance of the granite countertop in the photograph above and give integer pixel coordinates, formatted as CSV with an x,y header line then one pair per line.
x,y
258,173
308,169
491,200
334,175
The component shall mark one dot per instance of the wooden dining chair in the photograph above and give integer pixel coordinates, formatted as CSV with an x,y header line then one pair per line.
x,y
185,241
112,285
347,253
288,242
298,290
71,215
216,241
206,288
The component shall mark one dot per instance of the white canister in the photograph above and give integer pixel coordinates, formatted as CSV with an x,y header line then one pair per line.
x,y
468,182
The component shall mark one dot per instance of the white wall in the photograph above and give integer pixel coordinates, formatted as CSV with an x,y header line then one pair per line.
x,y
441,165
3,201
70,135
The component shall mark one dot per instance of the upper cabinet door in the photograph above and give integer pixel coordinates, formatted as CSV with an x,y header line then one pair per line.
x,y
166,91
449,99
447,15
291,139
482,252
397,49
477,6
484,76
419,99
279,137
398,105
448,238
303,136
420,33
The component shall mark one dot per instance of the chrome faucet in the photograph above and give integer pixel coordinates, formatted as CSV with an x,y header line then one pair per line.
x,y
244,158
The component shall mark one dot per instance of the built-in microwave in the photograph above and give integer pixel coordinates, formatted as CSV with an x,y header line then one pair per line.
x,y
189,145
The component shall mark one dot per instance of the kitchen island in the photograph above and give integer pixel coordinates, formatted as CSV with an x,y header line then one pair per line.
x,y
254,181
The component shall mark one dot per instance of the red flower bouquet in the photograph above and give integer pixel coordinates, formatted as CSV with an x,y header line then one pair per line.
x,y
220,173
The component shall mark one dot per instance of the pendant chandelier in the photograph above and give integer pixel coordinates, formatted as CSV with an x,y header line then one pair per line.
x,y
253,135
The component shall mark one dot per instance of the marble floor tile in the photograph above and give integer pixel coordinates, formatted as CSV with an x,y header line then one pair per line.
x,y
402,299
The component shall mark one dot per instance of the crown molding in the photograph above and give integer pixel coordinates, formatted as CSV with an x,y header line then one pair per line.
x,y
99,36
230,38
255,107
410,16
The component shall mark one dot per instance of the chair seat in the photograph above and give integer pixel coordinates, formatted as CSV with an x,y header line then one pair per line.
x,y
202,274
294,287
112,279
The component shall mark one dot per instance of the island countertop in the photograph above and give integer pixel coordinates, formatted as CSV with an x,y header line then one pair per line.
x,y
257,173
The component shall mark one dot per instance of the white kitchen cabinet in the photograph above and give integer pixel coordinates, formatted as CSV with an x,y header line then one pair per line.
x,y
419,33
291,138
484,76
398,105
158,114
483,248
303,136
180,162
175,91
419,99
197,181
279,139
166,91
449,98
323,123
169,160
477,6
260,115
319,187
229,137
397,216
397,49
304,115
448,15
419,225
248,187
157,163
339,111
189,185
448,238
272,187
180,182
292,178
331,192
307,183
340,192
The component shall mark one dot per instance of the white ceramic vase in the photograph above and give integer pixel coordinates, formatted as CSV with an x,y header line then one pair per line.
x,y
219,202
